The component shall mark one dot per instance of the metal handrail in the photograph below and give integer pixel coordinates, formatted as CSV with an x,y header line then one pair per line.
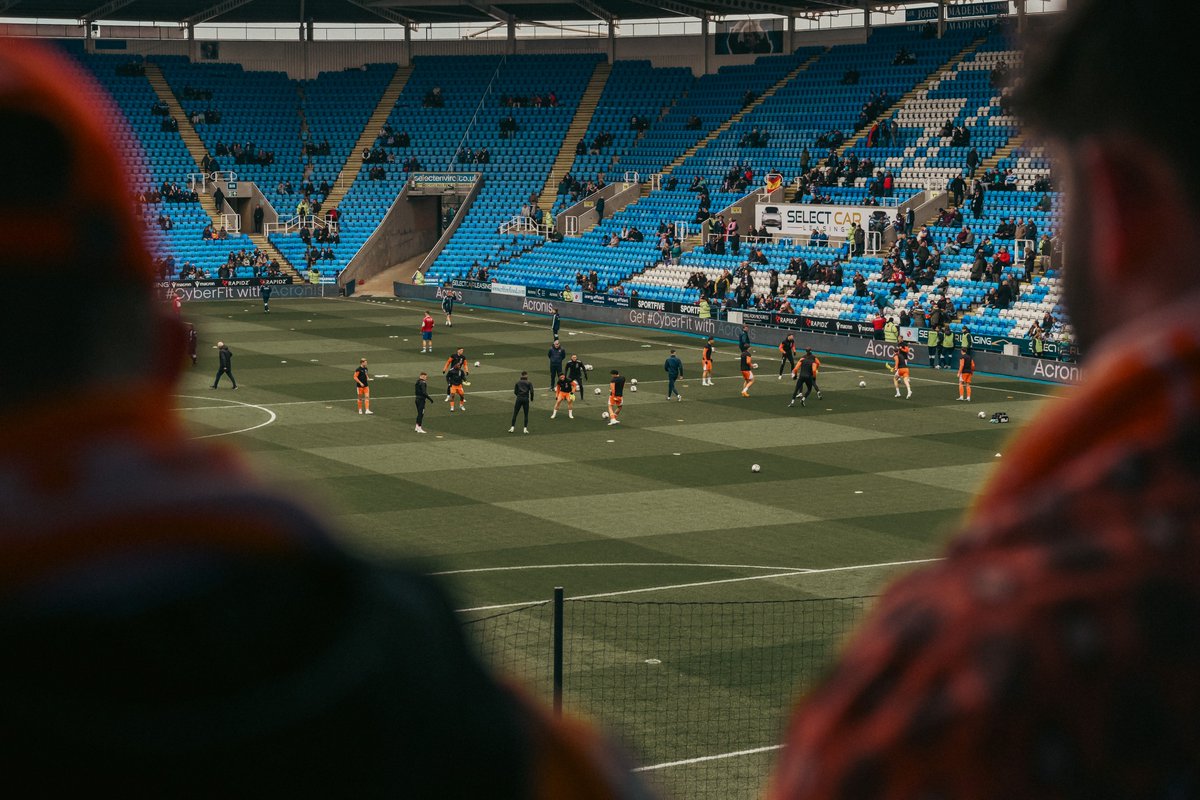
x,y
294,224
478,108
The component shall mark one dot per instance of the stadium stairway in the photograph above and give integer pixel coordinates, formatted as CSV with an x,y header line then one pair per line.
x,y
729,123
198,151
579,126
187,131
910,95
350,170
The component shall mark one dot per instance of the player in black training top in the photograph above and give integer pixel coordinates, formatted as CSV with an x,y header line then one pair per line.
x,y
524,393
456,377
706,357
805,375
421,395
456,361
576,371
448,305
787,354
563,390
362,382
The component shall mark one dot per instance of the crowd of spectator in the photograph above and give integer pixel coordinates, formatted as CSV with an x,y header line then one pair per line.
x,y
547,100
390,137
626,234
329,233
589,282
754,138
257,261
169,192
467,156
248,153
209,116
871,108
314,254
830,139
883,133
598,143
321,148
959,135
576,190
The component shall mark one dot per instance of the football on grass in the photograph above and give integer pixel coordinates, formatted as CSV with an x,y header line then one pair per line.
x,y
597,390
604,415
477,363
633,388
862,384
982,415
755,468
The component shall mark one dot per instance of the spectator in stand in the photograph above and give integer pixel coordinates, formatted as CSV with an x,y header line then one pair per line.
x,y
154,587
1061,617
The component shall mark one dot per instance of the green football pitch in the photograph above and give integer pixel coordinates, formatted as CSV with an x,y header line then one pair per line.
x,y
701,595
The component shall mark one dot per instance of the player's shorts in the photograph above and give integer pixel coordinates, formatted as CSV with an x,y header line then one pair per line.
x,y
706,364
563,395
747,375
965,377
458,390
615,401
364,391
902,372
427,335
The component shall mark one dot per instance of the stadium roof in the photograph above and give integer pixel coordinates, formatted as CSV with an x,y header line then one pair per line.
x,y
411,11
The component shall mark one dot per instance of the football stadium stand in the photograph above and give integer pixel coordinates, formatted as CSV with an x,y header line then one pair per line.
x,y
926,114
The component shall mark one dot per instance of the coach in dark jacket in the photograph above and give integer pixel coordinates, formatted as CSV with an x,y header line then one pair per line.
x,y
226,365
524,393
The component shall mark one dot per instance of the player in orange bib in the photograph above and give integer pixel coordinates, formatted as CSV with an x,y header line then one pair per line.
x,y
706,357
455,377
362,383
564,390
616,395
456,360
966,370
747,365
900,369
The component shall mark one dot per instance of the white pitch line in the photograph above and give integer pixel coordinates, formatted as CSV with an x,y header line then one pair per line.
x,y
271,417
700,759
613,564
788,574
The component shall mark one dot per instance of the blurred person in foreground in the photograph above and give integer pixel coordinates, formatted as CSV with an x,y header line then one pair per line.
x,y
170,627
1054,652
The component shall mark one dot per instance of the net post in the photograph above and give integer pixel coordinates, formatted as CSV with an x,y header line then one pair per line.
x,y
558,650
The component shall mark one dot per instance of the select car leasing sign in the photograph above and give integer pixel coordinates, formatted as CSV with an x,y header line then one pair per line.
x,y
799,221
